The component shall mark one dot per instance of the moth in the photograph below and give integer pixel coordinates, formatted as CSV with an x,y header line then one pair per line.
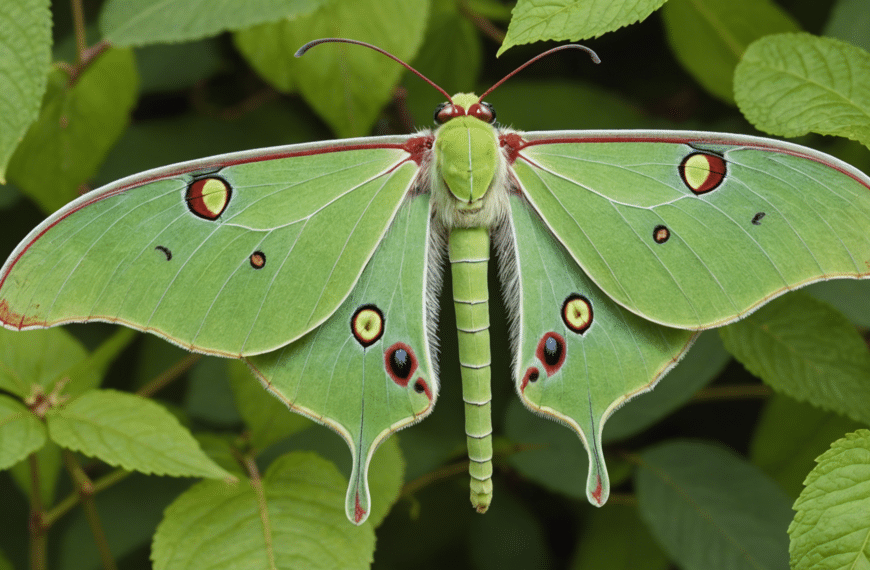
x,y
321,264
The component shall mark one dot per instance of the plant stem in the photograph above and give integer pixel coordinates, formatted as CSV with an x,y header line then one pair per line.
x,y
85,489
168,376
38,528
257,484
78,14
482,24
736,392
73,498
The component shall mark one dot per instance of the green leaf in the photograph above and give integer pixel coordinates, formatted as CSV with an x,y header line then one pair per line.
x,y
849,21
50,466
300,523
793,84
705,361
37,358
24,62
709,36
614,538
849,296
209,396
709,508
79,122
790,435
21,432
131,432
88,373
831,529
173,67
143,22
572,20
346,85
222,449
804,348
266,416
386,476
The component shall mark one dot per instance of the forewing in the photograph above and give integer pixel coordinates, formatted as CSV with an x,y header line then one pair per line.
x,y
695,230
234,255
368,371
579,354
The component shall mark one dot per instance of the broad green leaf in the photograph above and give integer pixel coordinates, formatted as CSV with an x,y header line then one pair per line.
x,y
451,56
386,475
572,20
209,397
346,85
266,416
129,514
80,121
299,523
793,84
849,21
142,22
790,435
708,37
37,358
25,56
131,432
222,449
549,454
509,536
88,374
21,432
50,466
831,529
709,508
805,349
849,296
614,538
705,361
173,67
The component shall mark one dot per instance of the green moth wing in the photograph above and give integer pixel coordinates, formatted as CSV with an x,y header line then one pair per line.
x,y
369,371
579,355
695,230
233,255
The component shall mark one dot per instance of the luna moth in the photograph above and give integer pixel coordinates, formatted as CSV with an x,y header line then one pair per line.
x,y
321,264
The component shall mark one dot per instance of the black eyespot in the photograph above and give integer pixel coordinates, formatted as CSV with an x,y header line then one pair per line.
x,y
552,351
533,376
419,387
756,219
400,363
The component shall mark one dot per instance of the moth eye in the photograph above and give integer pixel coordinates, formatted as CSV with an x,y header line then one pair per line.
x,y
483,111
400,363
446,111
551,352
367,325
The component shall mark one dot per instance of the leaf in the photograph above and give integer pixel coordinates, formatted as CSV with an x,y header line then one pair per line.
x,y
849,296
21,432
88,373
50,466
572,20
709,36
77,126
346,85
614,538
209,397
793,84
831,529
174,67
24,62
705,361
143,22
266,416
805,349
131,432
37,358
709,508
790,435
849,21
299,524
